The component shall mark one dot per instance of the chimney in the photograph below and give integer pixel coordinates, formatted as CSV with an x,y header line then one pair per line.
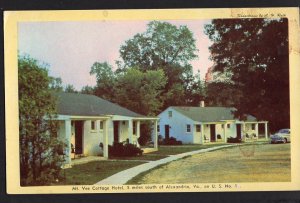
x,y
202,104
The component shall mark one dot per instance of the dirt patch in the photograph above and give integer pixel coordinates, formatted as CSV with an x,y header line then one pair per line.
x,y
269,163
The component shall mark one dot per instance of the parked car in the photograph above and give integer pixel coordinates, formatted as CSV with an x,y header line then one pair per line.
x,y
282,136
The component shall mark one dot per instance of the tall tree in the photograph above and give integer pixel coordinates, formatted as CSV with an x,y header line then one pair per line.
x,y
39,159
167,47
105,80
140,91
255,51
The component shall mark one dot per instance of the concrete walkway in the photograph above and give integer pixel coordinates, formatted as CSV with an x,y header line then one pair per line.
x,y
124,176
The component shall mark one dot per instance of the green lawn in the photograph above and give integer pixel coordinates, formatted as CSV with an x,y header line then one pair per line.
x,y
172,150
253,162
166,150
92,172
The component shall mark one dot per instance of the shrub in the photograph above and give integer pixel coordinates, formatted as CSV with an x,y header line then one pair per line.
x,y
234,140
124,150
172,141
145,134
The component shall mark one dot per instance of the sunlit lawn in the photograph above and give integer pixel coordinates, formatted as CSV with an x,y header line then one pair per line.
x,y
92,172
166,150
247,163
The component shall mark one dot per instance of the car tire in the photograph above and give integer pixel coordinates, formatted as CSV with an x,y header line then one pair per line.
x,y
285,140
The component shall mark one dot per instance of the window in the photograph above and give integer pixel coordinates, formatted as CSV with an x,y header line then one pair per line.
x,y
253,126
170,114
158,128
228,125
198,128
134,127
93,125
101,125
222,126
188,128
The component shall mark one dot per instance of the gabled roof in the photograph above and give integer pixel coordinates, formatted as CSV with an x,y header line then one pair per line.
x,y
209,114
89,105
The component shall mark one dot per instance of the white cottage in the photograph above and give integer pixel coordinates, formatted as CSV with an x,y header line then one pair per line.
x,y
85,121
200,125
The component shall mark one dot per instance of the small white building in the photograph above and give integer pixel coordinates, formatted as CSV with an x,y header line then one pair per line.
x,y
200,125
85,121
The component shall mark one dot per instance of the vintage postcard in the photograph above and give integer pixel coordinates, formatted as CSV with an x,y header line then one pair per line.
x,y
162,100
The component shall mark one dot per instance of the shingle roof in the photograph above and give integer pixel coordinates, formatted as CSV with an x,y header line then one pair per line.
x,y
89,105
209,114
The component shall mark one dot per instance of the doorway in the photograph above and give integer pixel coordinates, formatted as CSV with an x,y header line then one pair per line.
x,y
78,137
167,132
212,132
238,131
116,131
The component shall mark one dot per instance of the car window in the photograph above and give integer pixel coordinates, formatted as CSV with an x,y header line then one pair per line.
x,y
284,131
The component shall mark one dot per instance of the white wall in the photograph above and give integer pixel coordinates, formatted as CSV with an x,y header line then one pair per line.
x,y
206,132
220,131
91,139
178,124
231,132
110,132
123,131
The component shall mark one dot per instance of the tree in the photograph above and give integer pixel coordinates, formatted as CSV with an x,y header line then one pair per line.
x,y
55,84
256,52
105,80
222,94
140,91
87,90
167,47
70,89
39,159
162,44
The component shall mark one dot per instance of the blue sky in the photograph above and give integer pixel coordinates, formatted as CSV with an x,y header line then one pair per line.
x,y
71,48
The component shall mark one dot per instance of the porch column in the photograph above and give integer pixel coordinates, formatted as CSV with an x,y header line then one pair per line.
x,y
244,130
155,135
105,138
266,130
202,133
138,133
68,139
256,130
130,132
225,136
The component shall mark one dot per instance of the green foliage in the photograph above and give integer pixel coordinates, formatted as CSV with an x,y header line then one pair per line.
x,y
222,94
169,48
105,80
39,159
140,91
124,150
55,84
162,44
87,90
145,134
255,52
70,89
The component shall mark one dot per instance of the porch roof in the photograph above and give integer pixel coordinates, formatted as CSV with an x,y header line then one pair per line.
x,y
89,105
209,114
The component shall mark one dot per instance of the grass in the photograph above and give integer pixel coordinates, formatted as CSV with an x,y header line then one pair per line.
x,y
178,149
92,172
167,150
255,162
